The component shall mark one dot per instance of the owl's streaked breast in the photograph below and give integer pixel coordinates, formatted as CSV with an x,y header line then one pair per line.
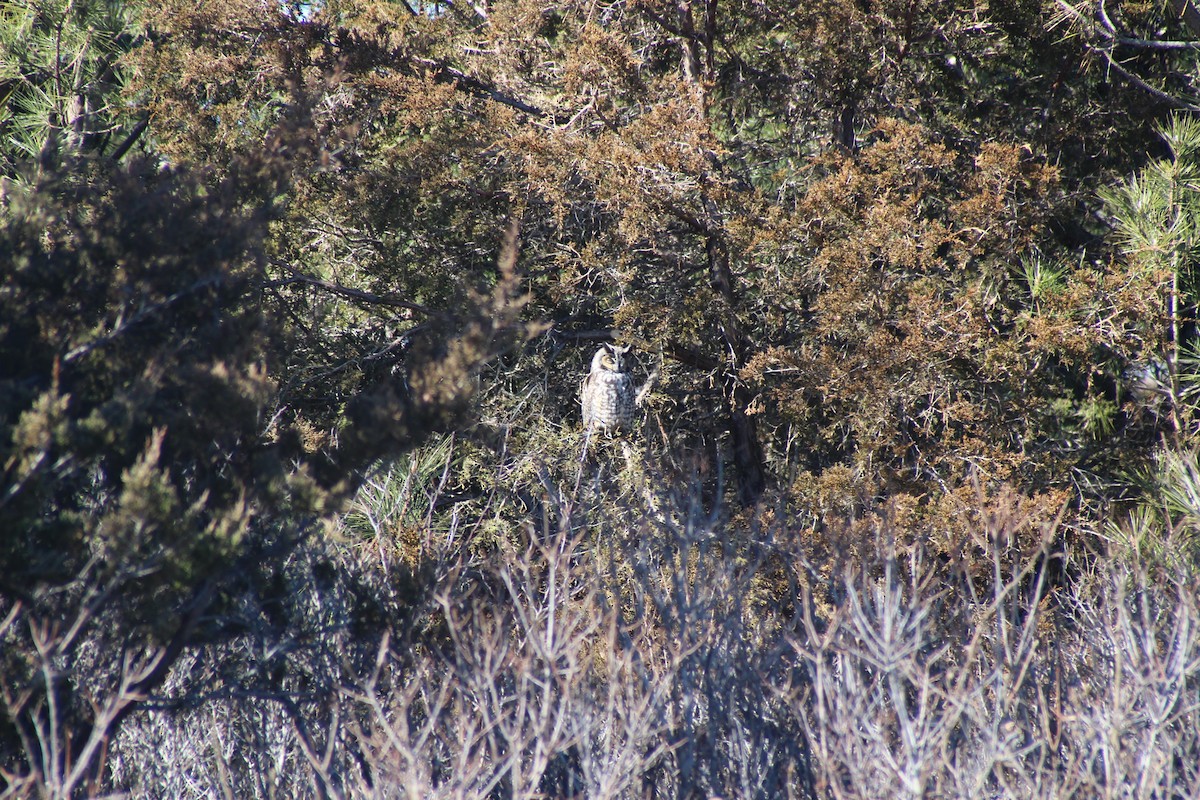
x,y
608,399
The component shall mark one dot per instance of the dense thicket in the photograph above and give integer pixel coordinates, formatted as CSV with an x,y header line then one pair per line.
x,y
295,301
884,301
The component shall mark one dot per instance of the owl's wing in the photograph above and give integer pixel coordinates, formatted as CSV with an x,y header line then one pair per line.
x,y
628,393
585,397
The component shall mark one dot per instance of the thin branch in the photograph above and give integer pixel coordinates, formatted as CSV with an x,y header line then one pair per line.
x,y
1107,30
447,74
143,313
1171,100
1157,44
356,294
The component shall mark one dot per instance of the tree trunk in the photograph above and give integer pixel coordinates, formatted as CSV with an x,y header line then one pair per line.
x,y
843,127
750,472
747,452
749,468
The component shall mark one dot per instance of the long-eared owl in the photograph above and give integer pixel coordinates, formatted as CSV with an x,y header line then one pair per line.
x,y
607,392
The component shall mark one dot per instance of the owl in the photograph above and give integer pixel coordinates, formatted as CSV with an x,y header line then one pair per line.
x,y
607,392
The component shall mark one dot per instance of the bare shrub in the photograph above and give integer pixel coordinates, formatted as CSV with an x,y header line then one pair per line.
x,y
1130,726
530,696
916,685
611,652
